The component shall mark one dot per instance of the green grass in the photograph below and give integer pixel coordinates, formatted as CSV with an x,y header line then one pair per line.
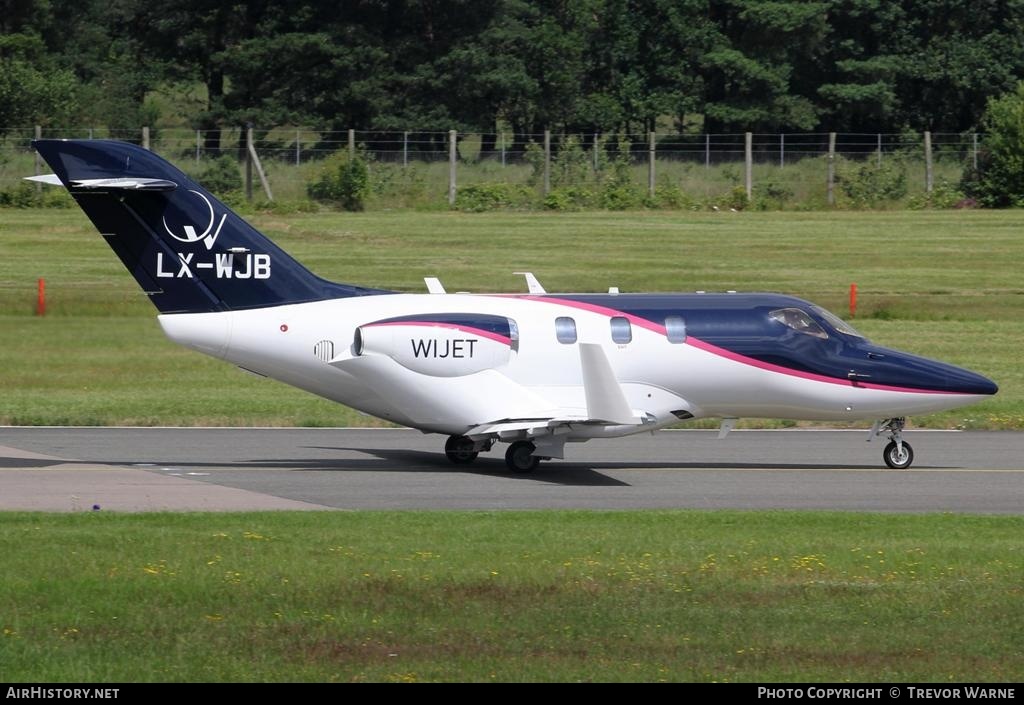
x,y
426,596
940,283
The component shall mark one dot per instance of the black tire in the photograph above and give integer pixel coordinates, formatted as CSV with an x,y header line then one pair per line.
x,y
459,450
520,458
892,457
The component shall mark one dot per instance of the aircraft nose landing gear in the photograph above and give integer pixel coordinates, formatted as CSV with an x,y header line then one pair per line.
x,y
898,454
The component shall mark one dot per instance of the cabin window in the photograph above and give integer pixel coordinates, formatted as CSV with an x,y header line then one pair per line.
x,y
565,329
675,329
799,321
622,332
513,334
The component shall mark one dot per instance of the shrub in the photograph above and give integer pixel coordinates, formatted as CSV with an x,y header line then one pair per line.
x,y
943,195
20,195
734,199
622,197
671,197
221,176
343,181
571,166
771,195
869,183
492,196
569,198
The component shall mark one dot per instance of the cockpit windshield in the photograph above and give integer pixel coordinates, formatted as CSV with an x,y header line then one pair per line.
x,y
838,323
799,321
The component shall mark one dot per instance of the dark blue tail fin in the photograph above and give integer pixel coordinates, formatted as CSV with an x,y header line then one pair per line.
x,y
185,248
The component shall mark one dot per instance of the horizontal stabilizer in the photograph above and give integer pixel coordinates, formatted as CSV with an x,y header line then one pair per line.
x,y
51,179
117,184
135,184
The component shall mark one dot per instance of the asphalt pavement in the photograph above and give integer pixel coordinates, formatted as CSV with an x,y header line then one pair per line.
x,y
182,469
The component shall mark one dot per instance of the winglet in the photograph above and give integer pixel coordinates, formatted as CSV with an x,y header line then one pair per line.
x,y
605,398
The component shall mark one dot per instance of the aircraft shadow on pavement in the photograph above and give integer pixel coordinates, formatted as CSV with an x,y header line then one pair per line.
x,y
29,462
492,464
401,460
389,460
572,472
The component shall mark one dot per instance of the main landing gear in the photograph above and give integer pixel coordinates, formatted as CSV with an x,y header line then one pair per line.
x,y
460,450
898,454
519,457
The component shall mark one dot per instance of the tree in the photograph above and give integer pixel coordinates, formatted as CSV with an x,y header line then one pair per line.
x,y
756,72
1000,178
33,89
918,64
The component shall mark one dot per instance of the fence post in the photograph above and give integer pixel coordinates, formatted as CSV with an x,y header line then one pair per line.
x,y
405,149
451,167
248,162
253,159
547,162
879,150
503,149
707,151
831,168
651,149
298,147
39,164
351,144
748,157
928,161
199,144
974,153
782,150
145,137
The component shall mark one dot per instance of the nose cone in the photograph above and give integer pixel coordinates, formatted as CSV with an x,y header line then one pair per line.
x,y
900,369
961,381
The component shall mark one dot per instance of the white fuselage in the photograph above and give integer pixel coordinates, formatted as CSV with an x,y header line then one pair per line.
x,y
449,390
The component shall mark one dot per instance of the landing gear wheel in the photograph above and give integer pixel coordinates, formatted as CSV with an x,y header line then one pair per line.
x,y
896,460
459,450
520,458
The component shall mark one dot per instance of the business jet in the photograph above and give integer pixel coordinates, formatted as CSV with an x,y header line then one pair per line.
x,y
534,370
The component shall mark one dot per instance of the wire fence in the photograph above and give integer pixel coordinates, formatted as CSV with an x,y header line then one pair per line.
x,y
446,160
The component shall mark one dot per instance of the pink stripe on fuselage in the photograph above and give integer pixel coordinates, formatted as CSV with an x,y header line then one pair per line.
x,y
728,354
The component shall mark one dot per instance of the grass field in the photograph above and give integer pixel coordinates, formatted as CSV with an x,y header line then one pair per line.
x,y
630,596
942,283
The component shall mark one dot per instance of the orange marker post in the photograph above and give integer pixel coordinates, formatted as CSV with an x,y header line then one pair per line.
x,y
853,300
41,300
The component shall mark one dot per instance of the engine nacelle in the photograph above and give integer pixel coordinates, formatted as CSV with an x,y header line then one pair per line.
x,y
440,345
